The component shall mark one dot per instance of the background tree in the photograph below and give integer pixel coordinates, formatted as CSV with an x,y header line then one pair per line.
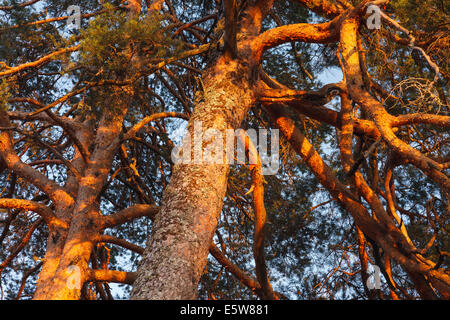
x,y
89,118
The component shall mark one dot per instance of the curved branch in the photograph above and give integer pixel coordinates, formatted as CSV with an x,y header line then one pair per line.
x,y
238,273
156,116
44,211
362,218
190,24
128,214
391,203
230,28
321,113
303,32
44,59
13,162
120,242
412,44
260,217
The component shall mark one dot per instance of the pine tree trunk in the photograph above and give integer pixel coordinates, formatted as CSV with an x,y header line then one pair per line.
x,y
176,253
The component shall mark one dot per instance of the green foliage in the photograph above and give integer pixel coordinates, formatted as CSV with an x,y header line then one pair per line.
x,y
421,14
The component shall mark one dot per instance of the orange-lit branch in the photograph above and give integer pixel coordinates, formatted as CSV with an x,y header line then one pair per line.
x,y
359,213
112,276
363,259
303,32
230,28
422,118
238,273
14,163
260,218
39,62
321,113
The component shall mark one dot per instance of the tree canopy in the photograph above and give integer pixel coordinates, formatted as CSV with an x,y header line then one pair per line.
x,y
93,204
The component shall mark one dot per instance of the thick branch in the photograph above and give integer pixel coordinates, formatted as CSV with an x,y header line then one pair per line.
x,y
376,111
44,211
156,116
359,213
422,118
319,97
321,113
238,273
52,189
230,28
260,218
302,32
112,276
